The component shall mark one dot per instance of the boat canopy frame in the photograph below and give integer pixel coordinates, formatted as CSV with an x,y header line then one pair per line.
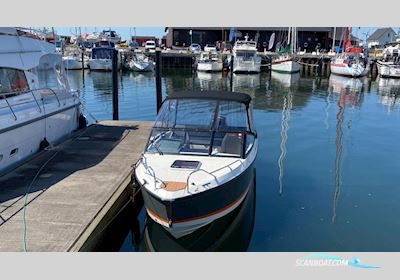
x,y
218,96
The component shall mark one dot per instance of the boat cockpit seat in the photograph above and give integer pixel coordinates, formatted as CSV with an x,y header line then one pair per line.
x,y
231,144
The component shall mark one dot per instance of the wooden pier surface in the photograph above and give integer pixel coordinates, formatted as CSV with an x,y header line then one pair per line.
x,y
85,182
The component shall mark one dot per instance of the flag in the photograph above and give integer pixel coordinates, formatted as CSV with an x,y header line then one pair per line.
x,y
232,34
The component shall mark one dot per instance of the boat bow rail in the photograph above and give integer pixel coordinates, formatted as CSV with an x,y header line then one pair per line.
x,y
209,173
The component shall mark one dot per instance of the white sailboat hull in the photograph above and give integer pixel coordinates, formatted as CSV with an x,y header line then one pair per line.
x,y
388,70
286,66
214,66
343,69
74,64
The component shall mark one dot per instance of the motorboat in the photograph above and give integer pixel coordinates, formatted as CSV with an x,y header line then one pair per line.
x,y
72,58
245,58
105,35
285,62
210,48
389,65
37,107
351,62
198,164
210,62
101,59
141,63
110,35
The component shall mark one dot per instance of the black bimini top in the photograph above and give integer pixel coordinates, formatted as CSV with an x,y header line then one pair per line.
x,y
215,95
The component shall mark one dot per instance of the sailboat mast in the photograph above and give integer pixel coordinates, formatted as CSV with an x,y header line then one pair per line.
x,y
334,39
289,37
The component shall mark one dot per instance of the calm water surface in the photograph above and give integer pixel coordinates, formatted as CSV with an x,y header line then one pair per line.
x,y
327,169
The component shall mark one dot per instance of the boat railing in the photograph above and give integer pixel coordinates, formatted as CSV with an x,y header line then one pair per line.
x,y
31,91
211,173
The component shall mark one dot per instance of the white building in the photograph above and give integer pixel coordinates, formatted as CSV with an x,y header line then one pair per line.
x,y
381,37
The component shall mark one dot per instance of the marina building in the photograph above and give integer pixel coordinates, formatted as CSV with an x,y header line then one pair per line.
x,y
309,38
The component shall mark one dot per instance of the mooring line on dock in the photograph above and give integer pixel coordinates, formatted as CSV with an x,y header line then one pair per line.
x,y
59,149
27,194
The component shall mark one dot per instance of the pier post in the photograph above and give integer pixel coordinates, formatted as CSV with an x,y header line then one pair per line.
x,y
158,79
231,69
319,67
83,68
83,62
115,85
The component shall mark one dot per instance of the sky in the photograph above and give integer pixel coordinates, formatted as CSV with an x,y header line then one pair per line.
x,y
125,32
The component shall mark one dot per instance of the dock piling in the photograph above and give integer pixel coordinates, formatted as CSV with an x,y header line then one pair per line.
x,y
231,69
115,85
158,79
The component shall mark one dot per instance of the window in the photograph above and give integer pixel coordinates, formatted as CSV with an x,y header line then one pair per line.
x,y
51,73
231,116
12,81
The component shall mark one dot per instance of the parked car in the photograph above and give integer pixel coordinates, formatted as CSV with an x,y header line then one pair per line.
x,y
150,45
195,48
210,48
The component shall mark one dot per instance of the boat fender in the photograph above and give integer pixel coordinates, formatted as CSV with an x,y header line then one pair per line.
x,y
82,121
44,144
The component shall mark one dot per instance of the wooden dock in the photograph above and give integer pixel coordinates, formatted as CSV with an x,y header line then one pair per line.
x,y
82,187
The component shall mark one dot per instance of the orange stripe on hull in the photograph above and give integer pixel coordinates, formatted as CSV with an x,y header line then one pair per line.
x,y
151,213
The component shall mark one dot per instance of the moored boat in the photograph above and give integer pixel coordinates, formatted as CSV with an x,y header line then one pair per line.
x,y
141,63
37,107
199,161
349,63
245,58
101,59
285,61
389,65
210,62
73,59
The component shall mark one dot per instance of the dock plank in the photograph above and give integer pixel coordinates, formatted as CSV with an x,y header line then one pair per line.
x,y
74,191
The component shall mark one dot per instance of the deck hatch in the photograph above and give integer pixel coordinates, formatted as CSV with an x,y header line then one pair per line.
x,y
187,164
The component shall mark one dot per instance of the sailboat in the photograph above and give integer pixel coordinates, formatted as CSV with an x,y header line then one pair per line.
x,y
285,62
349,62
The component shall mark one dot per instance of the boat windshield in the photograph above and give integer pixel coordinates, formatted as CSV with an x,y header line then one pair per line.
x,y
209,55
102,53
245,54
200,127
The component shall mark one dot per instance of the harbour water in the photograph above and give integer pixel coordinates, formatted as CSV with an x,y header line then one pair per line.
x,y
327,166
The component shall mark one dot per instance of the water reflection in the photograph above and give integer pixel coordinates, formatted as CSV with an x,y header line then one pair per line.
x,y
246,83
211,81
101,82
229,233
389,92
286,80
350,92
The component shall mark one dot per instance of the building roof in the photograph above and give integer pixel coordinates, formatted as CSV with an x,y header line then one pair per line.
x,y
379,33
